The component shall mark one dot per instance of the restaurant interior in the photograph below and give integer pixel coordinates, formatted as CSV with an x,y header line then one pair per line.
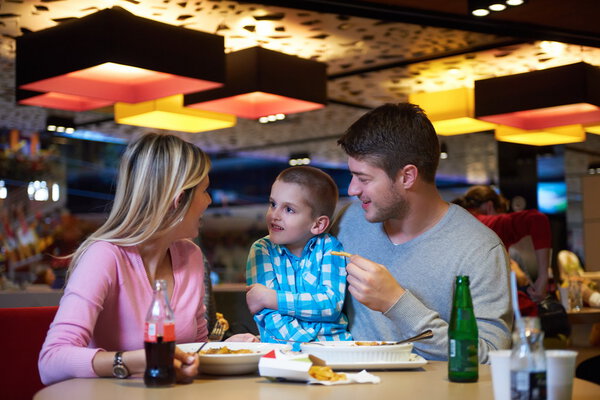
x,y
514,96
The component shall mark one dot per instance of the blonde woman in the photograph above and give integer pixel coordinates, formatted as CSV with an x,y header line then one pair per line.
x,y
160,198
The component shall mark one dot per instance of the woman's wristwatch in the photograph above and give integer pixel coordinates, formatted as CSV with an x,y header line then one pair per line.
x,y
119,368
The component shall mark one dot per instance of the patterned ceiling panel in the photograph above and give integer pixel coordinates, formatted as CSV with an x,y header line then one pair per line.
x,y
344,43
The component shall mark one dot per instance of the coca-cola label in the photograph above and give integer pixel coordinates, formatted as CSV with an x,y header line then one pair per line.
x,y
151,333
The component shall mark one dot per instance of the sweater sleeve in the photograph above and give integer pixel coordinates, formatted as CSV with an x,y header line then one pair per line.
x,y
65,353
490,303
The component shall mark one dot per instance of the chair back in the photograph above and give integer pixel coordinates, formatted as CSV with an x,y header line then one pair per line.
x,y
22,333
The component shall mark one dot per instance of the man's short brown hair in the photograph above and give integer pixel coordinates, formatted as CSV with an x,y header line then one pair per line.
x,y
393,136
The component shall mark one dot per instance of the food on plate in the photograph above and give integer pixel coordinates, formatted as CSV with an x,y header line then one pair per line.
x,y
222,321
322,373
375,343
226,350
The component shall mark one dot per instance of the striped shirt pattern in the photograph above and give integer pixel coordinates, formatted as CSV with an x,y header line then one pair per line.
x,y
310,290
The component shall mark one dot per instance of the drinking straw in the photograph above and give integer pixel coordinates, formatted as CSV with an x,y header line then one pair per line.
x,y
515,296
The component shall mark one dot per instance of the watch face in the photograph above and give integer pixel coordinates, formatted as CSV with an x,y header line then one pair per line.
x,y
120,371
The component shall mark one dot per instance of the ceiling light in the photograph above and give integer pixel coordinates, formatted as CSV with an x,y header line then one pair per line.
x,y
541,137
60,124
497,7
514,2
451,111
595,129
299,159
113,55
169,113
565,95
443,151
261,82
478,8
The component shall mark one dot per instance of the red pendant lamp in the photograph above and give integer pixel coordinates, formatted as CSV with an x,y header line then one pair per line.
x,y
261,82
112,56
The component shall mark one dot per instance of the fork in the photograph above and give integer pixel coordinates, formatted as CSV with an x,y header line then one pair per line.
x,y
295,341
217,333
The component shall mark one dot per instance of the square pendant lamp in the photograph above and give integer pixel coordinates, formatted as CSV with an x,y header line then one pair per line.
x,y
554,97
541,137
261,82
169,113
114,56
59,101
452,112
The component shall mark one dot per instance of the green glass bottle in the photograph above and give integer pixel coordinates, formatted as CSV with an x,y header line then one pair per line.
x,y
463,337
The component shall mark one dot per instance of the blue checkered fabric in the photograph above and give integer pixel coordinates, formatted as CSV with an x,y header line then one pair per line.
x,y
310,290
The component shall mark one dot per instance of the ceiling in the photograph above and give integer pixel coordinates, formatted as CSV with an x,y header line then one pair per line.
x,y
376,51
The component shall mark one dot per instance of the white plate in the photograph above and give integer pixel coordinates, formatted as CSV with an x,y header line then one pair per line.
x,y
231,364
344,352
415,361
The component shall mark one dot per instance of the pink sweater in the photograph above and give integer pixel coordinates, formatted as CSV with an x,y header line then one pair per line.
x,y
105,304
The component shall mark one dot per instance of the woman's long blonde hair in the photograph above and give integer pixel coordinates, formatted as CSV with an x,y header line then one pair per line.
x,y
154,171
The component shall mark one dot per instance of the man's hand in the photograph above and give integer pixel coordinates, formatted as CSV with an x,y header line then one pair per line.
x,y
259,296
372,284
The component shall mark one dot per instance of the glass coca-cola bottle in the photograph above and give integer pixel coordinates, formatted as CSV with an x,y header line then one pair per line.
x,y
159,339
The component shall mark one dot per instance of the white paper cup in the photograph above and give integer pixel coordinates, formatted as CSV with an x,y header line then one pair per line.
x,y
500,360
560,370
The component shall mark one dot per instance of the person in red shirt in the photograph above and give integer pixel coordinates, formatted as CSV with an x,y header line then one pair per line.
x,y
491,209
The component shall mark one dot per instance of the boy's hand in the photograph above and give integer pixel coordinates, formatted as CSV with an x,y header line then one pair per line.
x,y
259,296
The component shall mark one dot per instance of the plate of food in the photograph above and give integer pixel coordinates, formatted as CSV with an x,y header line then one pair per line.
x,y
414,361
230,358
365,354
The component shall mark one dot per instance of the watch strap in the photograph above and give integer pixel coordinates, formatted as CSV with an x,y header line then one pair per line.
x,y
120,370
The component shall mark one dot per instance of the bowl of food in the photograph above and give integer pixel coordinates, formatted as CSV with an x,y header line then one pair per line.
x,y
229,358
346,352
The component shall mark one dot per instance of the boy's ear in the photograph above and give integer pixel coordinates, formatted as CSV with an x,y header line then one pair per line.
x,y
320,225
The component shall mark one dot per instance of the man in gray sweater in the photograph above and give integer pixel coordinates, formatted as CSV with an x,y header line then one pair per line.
x,y
408,244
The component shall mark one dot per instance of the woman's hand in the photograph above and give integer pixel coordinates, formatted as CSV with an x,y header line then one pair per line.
x,y
243,337
186,365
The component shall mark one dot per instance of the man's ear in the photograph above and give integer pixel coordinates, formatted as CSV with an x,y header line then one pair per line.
x,y
320,225
177,200
407,176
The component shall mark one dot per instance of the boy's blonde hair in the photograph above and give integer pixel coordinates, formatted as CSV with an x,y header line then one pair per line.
x,y
154,171
321,192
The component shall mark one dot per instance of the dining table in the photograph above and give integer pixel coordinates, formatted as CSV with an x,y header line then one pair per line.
x,y
427,382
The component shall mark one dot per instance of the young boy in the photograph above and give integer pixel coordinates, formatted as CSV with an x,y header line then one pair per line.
x,y
296,286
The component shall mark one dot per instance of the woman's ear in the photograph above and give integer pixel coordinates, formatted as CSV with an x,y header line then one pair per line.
x,y
177,200
320,225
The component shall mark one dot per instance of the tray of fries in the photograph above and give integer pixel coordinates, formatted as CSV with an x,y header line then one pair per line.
x,y
279,365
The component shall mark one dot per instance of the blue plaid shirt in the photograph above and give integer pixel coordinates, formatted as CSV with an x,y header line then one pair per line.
x,y
310,290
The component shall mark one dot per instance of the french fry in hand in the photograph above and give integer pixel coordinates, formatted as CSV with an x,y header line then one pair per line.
x,y
341,253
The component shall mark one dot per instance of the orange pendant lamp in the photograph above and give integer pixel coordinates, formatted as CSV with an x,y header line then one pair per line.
x,y
114,56
452,112
554,97
261,82
169,113
541,137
